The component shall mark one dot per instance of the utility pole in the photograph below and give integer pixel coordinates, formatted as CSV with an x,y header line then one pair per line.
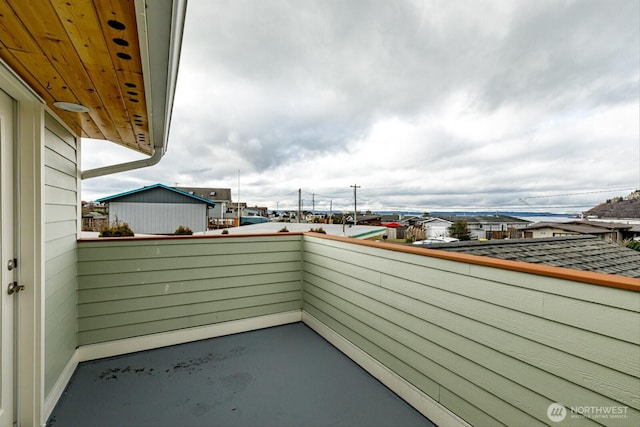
x,y
299,203
355,203
313,206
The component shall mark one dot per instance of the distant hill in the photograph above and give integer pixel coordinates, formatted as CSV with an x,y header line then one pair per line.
x,y
618,207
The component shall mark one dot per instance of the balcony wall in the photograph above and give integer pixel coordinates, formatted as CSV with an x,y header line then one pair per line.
x,y
133,288
492,344
61,225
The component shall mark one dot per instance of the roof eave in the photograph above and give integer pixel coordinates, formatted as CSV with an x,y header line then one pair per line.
x,y
160,31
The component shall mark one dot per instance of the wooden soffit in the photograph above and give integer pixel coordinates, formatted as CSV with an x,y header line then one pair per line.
x,y
85,52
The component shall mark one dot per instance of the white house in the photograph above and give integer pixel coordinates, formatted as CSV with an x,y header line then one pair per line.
x,y
435,227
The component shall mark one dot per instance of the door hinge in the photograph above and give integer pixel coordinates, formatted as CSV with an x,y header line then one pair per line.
x,y
14,288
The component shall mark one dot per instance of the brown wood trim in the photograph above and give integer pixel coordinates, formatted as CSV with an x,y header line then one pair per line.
x,y
602,279
197,236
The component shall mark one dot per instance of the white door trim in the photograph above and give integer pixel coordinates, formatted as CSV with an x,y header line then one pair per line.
x,y
8,252
29,128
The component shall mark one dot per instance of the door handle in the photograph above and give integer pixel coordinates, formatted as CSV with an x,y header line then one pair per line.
x,y
14,288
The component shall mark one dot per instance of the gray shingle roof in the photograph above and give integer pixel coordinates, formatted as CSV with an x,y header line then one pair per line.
x,y
485,219
587,253
220,194
576,228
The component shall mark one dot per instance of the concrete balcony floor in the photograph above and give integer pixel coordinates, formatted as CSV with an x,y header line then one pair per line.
x,y
281,376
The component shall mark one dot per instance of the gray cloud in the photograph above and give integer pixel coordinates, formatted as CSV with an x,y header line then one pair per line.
x,y
423,103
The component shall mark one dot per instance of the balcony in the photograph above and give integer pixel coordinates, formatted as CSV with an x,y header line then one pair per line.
x,y
281,376
460,338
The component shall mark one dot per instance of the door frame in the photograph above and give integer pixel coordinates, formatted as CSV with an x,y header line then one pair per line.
x,y
8,251
29,208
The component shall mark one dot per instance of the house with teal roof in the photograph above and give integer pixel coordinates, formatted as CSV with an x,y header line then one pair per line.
x,y
159,209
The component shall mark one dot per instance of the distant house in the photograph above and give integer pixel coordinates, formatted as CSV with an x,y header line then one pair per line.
x,y
587,253
234,207
390,217
222,214
94,221
491,226
366,219
158,209
434,227
257,211
609,231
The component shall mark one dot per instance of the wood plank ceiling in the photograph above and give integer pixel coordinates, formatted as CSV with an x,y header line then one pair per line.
x,y
84,52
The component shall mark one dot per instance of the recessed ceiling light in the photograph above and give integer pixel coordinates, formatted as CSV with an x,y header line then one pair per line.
x,y
70,106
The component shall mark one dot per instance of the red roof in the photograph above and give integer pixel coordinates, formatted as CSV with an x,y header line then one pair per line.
x,y
391,224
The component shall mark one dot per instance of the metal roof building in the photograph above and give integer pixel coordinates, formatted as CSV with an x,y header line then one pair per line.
x,y
159,209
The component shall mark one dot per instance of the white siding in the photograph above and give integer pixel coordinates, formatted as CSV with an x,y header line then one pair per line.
x,y
159,218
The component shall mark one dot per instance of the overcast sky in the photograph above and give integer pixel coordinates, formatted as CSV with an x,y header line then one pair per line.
x,y
426,105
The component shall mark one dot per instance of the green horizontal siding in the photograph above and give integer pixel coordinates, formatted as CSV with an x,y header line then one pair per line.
x,y
60,229
495,347
133,288
183,322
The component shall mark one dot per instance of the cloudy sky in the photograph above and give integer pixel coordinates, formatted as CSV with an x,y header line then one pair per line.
x,y
425,105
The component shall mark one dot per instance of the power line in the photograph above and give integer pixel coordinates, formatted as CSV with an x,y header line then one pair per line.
x,y
327,197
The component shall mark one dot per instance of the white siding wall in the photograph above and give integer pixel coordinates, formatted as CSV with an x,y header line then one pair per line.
x,y
436,229
61,224
159,218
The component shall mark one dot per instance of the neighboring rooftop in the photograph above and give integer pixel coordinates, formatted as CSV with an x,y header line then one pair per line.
x,y
155,188
354,231
582,227
216,194
587,253
485,219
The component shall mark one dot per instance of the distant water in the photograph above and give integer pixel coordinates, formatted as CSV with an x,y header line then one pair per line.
x,y
529,216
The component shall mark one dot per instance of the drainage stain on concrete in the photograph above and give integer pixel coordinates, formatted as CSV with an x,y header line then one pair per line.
x,y
112,374
188,366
